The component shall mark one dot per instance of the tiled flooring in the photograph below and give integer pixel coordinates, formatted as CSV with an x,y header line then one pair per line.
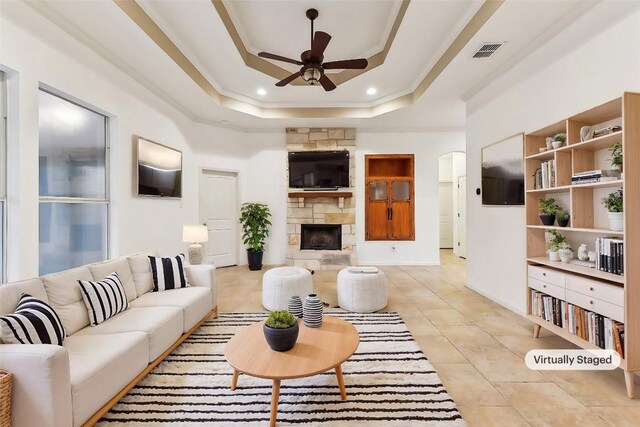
x,y
477,348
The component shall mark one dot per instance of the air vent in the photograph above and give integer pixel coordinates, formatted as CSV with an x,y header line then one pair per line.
x,y
487,50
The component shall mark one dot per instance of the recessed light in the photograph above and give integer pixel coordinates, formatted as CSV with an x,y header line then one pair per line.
x,y
261,92
372,91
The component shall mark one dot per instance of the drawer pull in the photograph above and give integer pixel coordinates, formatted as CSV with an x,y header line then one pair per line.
x,y
544,286
544,274
590,301
591,289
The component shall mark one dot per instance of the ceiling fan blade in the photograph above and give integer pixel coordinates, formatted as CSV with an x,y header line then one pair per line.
x,y
320,42
326,83
289,79
279,58
347,64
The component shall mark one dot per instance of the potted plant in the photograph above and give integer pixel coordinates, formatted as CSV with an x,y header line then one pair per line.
x,y
613,203
565,252
254,218
616,156
562,216
548,210
281,330
554,244
559,139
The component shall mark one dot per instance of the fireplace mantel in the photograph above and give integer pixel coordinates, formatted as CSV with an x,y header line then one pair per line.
x,y
302,195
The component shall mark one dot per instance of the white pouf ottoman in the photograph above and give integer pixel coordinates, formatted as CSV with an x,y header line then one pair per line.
x,y
281,283
361,292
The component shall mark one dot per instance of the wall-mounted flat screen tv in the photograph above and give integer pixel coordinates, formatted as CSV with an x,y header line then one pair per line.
x,y
503,173
159,170
319,169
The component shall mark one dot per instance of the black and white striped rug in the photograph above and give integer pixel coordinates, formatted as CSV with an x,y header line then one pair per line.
x,y
389,382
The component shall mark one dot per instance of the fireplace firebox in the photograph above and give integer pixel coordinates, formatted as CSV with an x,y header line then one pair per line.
x,y
321,236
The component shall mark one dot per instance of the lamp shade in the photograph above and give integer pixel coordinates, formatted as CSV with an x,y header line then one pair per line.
x,y
195,233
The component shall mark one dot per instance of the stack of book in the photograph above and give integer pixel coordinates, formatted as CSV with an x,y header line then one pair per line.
x,y
593,176
547,176
595,328
610,255
599,330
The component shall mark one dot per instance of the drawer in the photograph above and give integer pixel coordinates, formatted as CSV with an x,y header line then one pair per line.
x,y
547,275
547,288
592,304
594,289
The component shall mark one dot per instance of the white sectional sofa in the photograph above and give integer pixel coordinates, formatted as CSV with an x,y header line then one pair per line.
x,y
64,386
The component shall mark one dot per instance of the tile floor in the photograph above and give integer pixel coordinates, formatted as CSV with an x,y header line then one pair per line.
x,y
477,348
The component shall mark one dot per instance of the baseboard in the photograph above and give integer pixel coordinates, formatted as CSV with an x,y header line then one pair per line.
x,y
115,399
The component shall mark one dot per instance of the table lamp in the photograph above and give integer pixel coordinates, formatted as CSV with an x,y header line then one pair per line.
x,y
195,234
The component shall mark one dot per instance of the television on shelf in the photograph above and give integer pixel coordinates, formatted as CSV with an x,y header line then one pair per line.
x,y
159,170
319,169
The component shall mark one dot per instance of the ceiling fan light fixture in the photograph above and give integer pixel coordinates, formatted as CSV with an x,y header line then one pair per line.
x,y
311,75
261,92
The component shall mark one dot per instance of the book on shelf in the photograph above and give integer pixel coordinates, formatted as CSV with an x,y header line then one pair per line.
x,y
590,326
547,176
610,255
593,176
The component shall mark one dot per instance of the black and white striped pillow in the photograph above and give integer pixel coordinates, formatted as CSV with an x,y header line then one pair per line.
x,y
168,273
104,299
33,322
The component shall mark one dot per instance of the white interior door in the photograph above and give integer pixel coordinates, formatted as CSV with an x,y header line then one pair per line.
x,y
446,215
462,217
219,212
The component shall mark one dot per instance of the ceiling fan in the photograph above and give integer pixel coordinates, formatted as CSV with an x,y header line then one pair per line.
x,y
312,70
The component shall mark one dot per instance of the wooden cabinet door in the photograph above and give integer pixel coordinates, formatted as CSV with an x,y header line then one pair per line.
x,y
401,215
377,210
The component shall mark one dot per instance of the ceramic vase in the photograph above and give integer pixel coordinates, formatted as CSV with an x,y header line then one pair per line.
x,y
566,255
553,256
616,221
312,311
583,255
295,306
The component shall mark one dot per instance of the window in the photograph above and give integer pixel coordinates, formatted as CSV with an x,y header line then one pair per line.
x,y
3,174
74,193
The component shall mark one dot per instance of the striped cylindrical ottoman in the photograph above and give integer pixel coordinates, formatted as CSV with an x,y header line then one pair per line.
x,y
281,283
361,292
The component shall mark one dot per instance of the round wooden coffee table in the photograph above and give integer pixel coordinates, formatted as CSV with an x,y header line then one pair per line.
x,y
317,350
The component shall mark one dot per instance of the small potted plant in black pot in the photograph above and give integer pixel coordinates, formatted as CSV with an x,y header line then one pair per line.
x,y
281,330
254,218
562,216
548,209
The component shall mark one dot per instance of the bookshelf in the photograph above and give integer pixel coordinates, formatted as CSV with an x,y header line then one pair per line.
x,y
588,288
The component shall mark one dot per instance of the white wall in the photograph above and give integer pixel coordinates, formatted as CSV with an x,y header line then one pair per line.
x,y
137,223
575,73
427,147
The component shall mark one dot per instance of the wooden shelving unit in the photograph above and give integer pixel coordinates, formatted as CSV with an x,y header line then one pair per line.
x,y
389,199
588,216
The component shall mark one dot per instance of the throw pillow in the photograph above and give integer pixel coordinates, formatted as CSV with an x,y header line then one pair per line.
x,y
104,299
168,273
33,322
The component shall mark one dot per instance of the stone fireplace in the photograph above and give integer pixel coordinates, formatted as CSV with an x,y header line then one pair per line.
x,y
326,219
321,237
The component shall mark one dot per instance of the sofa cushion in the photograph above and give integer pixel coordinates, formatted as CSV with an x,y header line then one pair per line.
x,y
101,365
195,303
163,326
65,297
168,273
141,271
120,265
33,322
10,293
104,299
